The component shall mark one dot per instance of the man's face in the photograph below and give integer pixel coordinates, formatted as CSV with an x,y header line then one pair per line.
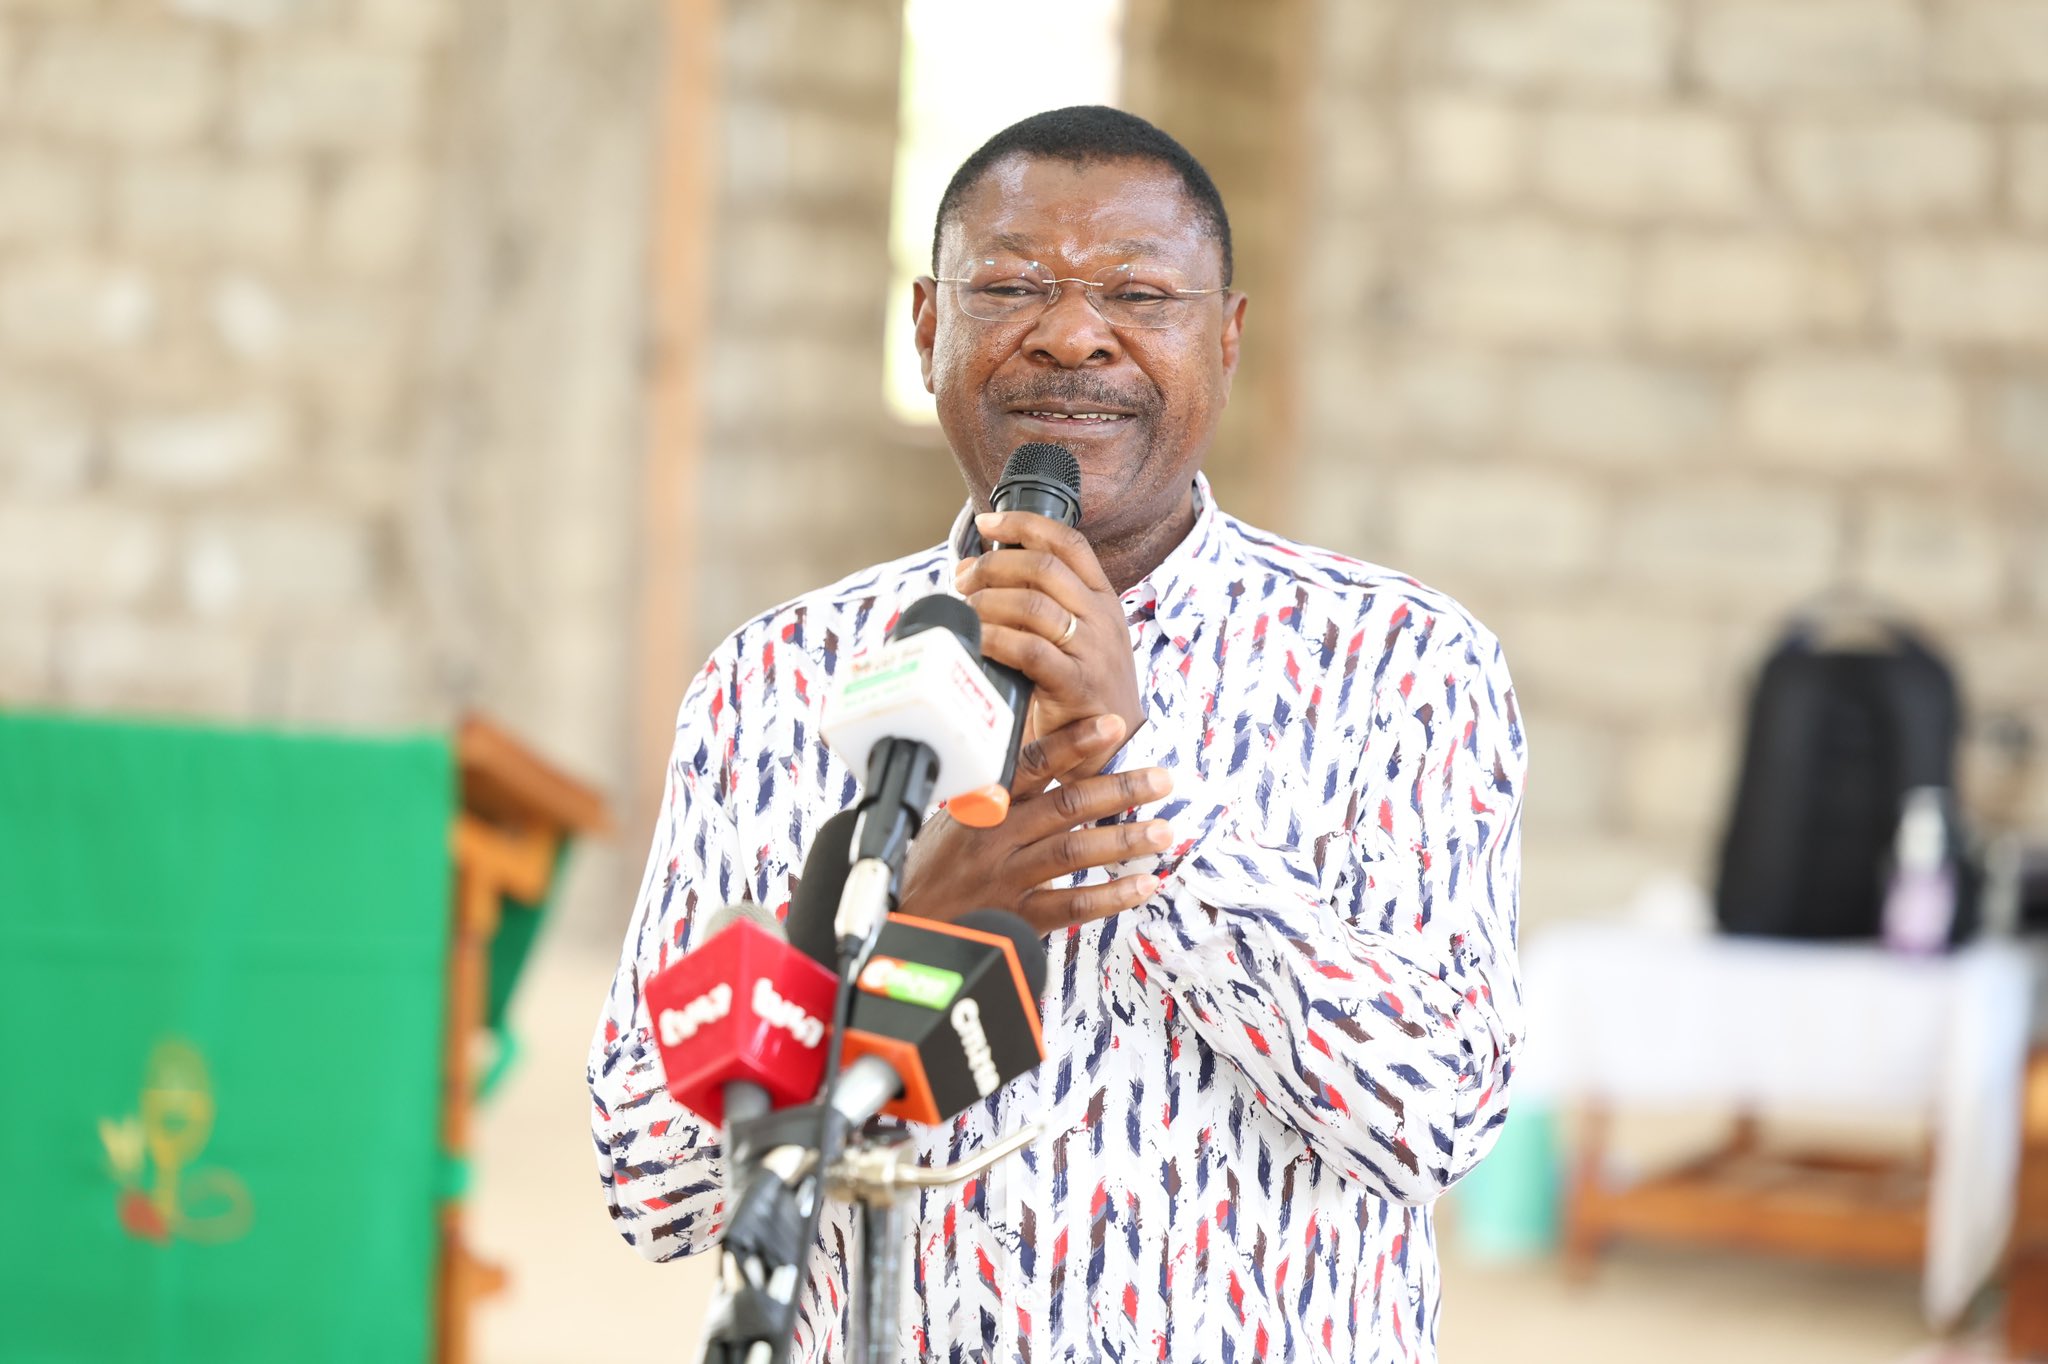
x,y
998,384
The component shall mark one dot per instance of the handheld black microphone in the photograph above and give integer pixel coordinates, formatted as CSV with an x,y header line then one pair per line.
x,y
1046,479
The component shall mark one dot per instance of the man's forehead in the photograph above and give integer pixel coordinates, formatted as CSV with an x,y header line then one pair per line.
x,y
1046,207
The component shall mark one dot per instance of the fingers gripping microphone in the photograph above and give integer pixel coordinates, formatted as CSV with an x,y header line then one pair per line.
x,y
740,1021
944,1015
923,721
1045,479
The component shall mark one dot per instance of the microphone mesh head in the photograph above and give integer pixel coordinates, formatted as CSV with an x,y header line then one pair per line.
x,y
747,911
1043,459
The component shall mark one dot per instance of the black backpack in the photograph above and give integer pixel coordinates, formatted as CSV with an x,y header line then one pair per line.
x,y
1838,733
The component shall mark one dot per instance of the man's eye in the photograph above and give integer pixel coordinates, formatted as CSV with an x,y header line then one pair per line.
x,y
1009,288
1139,294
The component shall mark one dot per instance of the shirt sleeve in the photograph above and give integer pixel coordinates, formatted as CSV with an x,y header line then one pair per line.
x,y
660,1166
1375,1008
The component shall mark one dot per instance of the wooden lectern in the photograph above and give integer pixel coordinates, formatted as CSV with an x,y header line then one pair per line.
x,y
517,814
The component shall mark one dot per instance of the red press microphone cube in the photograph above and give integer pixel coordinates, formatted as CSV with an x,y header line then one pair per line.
x,y
744,1006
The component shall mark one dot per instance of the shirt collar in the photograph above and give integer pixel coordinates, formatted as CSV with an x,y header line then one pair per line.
x,y
1167,587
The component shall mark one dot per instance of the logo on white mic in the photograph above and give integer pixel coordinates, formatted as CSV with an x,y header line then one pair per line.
x,y
678,1026
981,1062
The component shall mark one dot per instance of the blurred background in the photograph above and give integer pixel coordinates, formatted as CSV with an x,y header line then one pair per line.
x,y
365,364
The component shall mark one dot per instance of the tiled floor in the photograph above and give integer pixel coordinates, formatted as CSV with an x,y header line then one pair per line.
x,y
579,1295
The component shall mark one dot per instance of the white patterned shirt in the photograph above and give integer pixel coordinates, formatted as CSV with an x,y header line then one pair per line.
x,y
1256,1082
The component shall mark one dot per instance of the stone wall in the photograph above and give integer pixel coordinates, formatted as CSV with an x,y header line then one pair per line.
x,y
320,324
1637,324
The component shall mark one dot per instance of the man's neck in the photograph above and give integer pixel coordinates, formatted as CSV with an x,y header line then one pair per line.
x,y
1127,562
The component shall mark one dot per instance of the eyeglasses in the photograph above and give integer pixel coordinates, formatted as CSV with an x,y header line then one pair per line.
x,y
1125,295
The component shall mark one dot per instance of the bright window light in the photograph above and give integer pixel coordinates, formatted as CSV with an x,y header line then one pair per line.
x,y
970,69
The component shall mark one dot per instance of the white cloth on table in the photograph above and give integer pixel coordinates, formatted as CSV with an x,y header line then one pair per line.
x,y
1644,1019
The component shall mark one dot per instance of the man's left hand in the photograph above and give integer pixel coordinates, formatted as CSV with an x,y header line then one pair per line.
x,y
1048,610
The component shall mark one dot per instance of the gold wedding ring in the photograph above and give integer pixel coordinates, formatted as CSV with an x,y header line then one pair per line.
x,y
1073,623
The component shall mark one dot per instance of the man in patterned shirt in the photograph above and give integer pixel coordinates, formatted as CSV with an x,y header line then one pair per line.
x,y
1268,820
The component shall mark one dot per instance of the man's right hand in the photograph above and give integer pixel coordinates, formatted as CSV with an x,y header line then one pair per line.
x,y
1048,835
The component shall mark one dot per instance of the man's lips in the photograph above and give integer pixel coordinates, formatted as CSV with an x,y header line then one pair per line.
x,y
1072,414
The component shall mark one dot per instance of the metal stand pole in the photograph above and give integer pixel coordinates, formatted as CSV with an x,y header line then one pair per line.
x,y
879,1175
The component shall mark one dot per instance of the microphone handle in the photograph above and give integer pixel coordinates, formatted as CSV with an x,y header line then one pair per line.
x,y
1055,504
744,1102
1016,690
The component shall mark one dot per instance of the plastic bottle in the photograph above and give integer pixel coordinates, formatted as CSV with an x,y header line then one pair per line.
x,y
1920,902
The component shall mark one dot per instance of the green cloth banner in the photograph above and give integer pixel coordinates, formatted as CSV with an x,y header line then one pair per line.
x,y
222,961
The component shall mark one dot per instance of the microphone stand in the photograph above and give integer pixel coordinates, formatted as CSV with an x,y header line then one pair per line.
x,y
880,1174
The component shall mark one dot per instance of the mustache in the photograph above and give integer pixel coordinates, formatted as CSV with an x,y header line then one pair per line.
x,y
1067,386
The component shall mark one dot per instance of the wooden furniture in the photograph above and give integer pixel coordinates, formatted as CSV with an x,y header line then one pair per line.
x,y
1744,1196
2026,1288
517,811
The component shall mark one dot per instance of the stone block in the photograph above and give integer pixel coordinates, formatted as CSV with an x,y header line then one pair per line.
x,y
134,84
1766,49
1981,291
1523,280
1572,778
413,24
75,552
258,16
778,270
1942,560
1438,395
1456,524
192,207
47,440
376,216
840,48
1462,148
1746,289
1892,167
1758,547
277,561
1354,153
2020,422
1679,778
1612,662
359,672
70,305
46,197
1851,412
2031,547
249,318
2000,668
2029,172
203,448
327,96
1617,412
792,153
1644,163
1577,45
27,659
1992,47
1353,36
124,662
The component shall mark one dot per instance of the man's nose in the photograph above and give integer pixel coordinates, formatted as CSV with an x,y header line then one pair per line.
x,y
1071,334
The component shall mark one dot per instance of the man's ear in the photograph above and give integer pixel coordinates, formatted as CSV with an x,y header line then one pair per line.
x,y
1233,332
924,323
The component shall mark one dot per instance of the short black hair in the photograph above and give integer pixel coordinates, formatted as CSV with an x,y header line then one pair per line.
x,y
1084,134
